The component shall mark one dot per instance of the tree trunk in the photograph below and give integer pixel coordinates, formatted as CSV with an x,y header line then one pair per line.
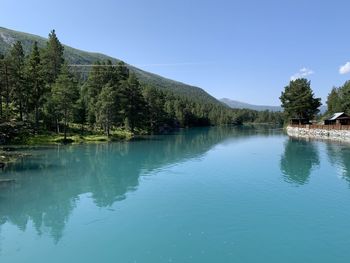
x,y
20,111
57,126
65,125
1,104
132,126
36,119
7,92
107,127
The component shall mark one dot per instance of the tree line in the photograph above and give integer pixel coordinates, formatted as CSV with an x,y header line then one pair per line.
x,y
298,100
43,90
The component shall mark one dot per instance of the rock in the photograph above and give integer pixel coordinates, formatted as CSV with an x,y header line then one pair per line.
x,y
332,134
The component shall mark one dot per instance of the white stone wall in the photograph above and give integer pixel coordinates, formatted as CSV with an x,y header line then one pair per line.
x,y
342,135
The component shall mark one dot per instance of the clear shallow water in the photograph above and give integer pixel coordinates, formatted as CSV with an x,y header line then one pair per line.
x,y
201,195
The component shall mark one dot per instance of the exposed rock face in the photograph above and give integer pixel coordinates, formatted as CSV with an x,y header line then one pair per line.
x,y
7,39
340,135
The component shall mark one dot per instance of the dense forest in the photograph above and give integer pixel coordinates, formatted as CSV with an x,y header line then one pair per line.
x,y
41,93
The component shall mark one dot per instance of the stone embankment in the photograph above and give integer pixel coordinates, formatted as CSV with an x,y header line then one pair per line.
x,y
339,133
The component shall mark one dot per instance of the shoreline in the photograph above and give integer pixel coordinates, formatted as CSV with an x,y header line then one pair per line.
x,y
319,133
11,152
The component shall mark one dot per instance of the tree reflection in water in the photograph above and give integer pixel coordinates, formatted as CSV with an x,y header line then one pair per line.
x,y
299,157
50,183
339,156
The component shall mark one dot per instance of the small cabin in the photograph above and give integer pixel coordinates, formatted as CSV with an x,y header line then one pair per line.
x,y
339,118
299,121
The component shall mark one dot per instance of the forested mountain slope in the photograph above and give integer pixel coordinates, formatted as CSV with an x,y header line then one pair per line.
x,y
76,56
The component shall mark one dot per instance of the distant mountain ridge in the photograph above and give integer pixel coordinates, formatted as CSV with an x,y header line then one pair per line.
x,y
76,56
235,104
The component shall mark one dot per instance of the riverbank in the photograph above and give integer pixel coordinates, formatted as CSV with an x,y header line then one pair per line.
x,y
318,132
10,153
77,138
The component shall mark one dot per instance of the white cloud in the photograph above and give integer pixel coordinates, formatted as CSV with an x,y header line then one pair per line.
x,y
302,73
345,68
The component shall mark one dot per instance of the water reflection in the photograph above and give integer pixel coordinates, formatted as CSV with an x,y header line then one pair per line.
x,y
50,183
339,156
299,157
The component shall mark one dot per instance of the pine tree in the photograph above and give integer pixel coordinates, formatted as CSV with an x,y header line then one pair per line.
x,y
80,113
92,88
345,97
53,58
298,100
107,107
122,71
334,103
64,96
35,80
2,84
5,74
155,113
18,85
133,103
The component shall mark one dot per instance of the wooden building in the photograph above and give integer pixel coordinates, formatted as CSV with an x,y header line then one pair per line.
x,y
299,121
339,118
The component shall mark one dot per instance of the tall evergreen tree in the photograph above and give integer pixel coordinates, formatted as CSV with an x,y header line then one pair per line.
x,y
107,107
64,96
334,103
92,88
133,103
122,71
345,97
5,77
2,84
298,100
35,80
19,91
155,114
53,58
80,113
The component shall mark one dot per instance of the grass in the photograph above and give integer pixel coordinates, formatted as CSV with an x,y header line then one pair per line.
x,y
9,156
117,135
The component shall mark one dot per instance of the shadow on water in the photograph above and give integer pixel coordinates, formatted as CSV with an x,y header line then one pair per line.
x,y
298,160
49,183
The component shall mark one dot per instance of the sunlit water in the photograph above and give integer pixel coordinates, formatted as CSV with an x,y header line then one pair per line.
x,y
200,195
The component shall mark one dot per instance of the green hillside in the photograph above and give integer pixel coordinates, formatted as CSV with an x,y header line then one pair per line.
x,y
76,56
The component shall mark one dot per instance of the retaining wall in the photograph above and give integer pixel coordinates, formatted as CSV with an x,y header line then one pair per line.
x,y
307,132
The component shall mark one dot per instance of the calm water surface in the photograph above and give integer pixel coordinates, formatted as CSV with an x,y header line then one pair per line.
x,y
200,195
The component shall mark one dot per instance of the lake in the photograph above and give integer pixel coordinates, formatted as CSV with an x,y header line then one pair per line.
x,y
219,194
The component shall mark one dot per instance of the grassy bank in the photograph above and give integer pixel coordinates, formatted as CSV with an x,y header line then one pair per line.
x,y
119,135
9,154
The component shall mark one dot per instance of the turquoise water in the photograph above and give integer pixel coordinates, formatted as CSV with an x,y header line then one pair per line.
x,y
200,195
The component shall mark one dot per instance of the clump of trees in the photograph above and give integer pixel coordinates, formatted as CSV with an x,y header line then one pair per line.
x,y
298,100
338,99
40,89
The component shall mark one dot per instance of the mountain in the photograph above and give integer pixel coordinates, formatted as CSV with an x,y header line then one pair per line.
x,y
76,56
235,104
242,105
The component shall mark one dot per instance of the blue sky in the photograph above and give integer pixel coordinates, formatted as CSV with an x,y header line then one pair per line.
x,y
243,50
